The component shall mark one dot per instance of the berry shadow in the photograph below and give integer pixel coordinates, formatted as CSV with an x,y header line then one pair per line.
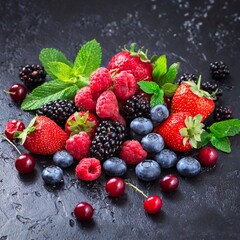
x,y
159,217
30,178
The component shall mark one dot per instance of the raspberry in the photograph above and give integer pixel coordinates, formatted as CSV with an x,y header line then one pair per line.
x,y
78,145
100,80
85,99
132,152
107,105
125,85
88,169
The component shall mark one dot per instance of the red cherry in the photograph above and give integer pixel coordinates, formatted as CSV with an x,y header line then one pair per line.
x,y
83,211
208,156
17,92
169,183
115,187
152,204
25,163
12,127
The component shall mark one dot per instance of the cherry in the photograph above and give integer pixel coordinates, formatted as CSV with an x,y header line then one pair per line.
x,y
25,163
12,127
152,204
83,211
169,183
17,92
115,187
208,156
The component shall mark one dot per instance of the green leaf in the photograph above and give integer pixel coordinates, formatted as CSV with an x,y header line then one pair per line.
x,y
157,98
47,92
227,128
222,144
160,69
61,70
169,89
148,86
48,55
88,58
171,73
205,138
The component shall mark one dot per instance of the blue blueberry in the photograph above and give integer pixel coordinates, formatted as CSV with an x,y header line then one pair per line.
x,y
148,170
188,166
135,136
114,166
153,143
52,175
166,158
159,113
63,159
141,125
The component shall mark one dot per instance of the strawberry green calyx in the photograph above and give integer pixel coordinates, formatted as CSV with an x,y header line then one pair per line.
x,y
192,132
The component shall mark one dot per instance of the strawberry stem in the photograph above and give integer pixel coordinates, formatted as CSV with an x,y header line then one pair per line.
x,y
136,188
1,135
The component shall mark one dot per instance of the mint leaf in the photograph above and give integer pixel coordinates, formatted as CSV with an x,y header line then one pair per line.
x,y
61,70
47,92
205,138
222,144
227,128
148,86
48,55
157,98
171,73
88,58
160,69
169,89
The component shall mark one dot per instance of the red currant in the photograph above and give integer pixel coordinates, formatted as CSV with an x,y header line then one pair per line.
x,y
115,187
25,163
12,127
208,156
83,211
169,183
17,92
152,204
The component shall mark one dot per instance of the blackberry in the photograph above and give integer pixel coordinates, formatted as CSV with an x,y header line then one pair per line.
x,y
58,110
219,70
107,140
136,106
211,88
222,113
187,77
32,75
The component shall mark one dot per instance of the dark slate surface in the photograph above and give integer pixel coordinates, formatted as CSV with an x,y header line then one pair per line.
x,y
192,32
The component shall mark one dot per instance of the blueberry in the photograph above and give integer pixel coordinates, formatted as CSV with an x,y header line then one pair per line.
x,y
153,143
63,159
159,113
188,166
52,175
114,166
141,125
166,158
148,170
135,136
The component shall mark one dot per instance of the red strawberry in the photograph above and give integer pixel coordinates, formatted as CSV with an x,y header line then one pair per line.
x,y
12,127
190,98
136,63
81,121
181,131
43,136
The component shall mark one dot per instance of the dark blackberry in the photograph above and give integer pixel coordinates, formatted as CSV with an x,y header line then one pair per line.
x,y
32,75
107,140
59,110
222,113
187,77
136,106
219,70
211,88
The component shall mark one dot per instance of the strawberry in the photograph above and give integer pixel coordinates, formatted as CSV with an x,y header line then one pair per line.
x,y
81,121
43,136
181,131
136,63
190,98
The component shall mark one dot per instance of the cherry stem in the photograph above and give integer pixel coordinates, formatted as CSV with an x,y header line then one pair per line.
x,y
9,92
136,188
1,135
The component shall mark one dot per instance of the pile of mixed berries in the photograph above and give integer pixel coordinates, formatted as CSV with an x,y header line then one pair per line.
x,y
111,124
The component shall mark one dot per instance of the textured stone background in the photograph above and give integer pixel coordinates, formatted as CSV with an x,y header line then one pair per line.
x,y
192,32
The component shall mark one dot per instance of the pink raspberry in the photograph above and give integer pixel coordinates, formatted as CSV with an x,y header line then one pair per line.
x,y
100,80
85,99
78,145
107,105
132,152
125,85
119,118
88,169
